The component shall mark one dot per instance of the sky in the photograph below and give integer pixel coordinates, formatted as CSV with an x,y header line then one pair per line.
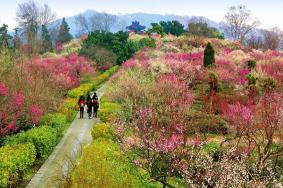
x,y
268,12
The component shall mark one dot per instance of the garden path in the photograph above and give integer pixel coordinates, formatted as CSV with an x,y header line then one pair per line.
x,y
58,165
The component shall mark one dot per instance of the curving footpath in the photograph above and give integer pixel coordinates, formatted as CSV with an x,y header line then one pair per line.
x,y
58,165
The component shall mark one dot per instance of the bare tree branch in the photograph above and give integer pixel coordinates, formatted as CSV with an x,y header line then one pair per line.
x,y
238,23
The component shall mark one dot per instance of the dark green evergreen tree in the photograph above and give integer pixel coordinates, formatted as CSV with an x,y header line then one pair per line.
x,y
64,32
202,29
209,56
156,28
4,36
172,27
17,39
46,42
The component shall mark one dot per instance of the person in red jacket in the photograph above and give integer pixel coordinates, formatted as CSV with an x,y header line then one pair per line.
x,y
81,104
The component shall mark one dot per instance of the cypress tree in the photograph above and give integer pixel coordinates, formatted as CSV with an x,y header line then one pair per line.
x,y
64,32
17,39
209,56
46,43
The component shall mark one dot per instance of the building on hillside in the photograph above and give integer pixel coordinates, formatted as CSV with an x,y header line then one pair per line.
x,y
136,28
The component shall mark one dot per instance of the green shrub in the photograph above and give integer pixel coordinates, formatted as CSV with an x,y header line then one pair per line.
x,y
70,108
108,111
80,91
211,147
117,42
15,162
103,131
147,42
251,64
251,79
268,83
44,139
55,120
209,56
49,55
100,55
103,165
88,87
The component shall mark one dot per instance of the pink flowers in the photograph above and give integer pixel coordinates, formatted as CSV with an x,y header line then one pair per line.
x,y
274,69
129,64
243,76
177,56
3,89
58,47
36,112
63,72
18,99
240,116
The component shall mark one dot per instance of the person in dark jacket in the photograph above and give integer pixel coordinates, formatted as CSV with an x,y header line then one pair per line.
x,y
81,104
95,104
89,106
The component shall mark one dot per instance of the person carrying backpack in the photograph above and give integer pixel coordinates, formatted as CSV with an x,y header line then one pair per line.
x,y
81,104
95,105
89,106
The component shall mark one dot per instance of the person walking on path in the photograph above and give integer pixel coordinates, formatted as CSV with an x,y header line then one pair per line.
x,y
81,104
95,105
95,96
89,103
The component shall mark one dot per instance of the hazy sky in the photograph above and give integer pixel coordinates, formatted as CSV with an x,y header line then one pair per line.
x,y
269,12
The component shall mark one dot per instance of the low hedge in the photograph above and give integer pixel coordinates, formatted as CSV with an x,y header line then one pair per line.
x,y
108,111
102,165
80,91
103,131
55,120
69,108
15,163
44,138
88,87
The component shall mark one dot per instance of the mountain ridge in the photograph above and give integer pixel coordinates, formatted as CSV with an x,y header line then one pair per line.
x,y
144,19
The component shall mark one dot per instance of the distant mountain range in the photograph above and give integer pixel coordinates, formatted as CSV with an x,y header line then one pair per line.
x,y
144,18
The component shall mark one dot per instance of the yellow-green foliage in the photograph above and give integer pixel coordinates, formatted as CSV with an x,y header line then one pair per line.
x,y
102,165
72,47
87,87
137,37
108,111
15,162
44,138
80,91
49,55
103,131
55,120
69,108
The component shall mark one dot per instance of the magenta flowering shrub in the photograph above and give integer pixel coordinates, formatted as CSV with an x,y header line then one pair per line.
x,y
10,110
59,47
274,70
258,126
226,70
3,89
36,112
64,72
37,87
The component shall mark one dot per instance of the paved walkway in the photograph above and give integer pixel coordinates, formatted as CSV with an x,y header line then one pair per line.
x,y
56,167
